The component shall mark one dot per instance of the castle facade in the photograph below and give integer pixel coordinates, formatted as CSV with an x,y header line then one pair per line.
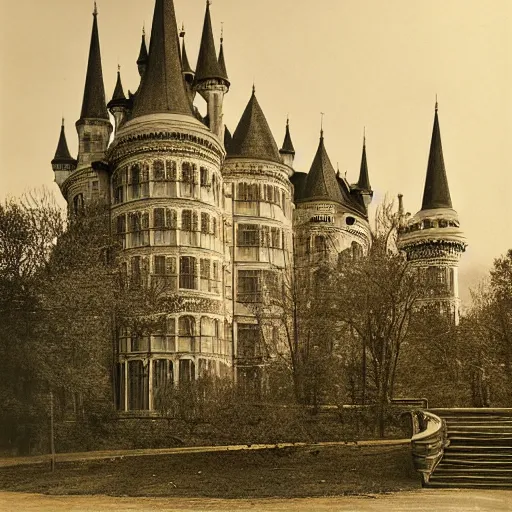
x,y
205,217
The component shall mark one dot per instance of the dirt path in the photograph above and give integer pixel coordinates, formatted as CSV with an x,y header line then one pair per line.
x,y
417,501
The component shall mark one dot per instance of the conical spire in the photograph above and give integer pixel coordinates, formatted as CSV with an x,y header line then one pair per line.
x,y
436,193
62,154
142,60
364,178
94,104
185,64
321,183
118,91
222,61
162,88
287,143
252,137
207,63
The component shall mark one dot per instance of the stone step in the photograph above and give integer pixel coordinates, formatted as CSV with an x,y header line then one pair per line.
x,y
469,485
477,455
488,448
469,471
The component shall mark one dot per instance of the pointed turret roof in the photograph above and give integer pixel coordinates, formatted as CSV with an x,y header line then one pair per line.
x,y
94,105
62,155
436,193
364,178
321,183
143,54
252,137
118,91
162,89
287,143
222,61
207,63
185,64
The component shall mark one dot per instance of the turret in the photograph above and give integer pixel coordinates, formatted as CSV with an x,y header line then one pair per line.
x,y
287,151
188,72
142,60
63,163
363,186
94,126
432,239
118,105
211,80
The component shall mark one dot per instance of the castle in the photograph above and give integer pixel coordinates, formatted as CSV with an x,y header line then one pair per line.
x,y
205,215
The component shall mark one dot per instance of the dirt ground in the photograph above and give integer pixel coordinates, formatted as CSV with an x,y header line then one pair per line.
x,y
415,501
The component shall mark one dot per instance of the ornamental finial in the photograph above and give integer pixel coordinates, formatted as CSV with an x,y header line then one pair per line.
x,y
95,12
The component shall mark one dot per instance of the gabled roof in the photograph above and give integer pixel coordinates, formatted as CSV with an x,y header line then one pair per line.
x,y
364,178
252,137
162,89
94,105
321,183
62,154
207,63
287,143
436,193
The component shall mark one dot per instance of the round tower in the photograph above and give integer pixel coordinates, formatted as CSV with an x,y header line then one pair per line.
x,y
331,220
432,239
167,207
261,232
211,80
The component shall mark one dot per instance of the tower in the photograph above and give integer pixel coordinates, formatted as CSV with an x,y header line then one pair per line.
x,y
63,164
261,233
287,151
87,180
363,187
432,239
118,105
167,215
330,219
211,80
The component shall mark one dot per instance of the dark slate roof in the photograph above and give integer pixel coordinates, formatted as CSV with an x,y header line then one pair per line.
x,y
436,193
94,105
364,178
252,137
185,64
118,91
143,54
298,180
222,62
162,89
287,143
62,154
207,63
227,137
321,184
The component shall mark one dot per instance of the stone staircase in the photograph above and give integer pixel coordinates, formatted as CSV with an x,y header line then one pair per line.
x,y
479,453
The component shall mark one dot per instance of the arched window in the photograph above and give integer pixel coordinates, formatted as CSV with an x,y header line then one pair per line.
x,y
138,392
78,204
186,326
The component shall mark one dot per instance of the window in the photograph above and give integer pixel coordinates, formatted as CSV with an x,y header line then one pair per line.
x,y
139,228
275,241
248,235
207,334
204,176
95,186
188,273
320,244
357,251
186,334
214,226
78,204
121,230
162,375
248,342
249,286
138,393
205,223
164,273
214,287
186,220
171,169
248,192
187,179
158,170
204,265
189,227
135,181
187,371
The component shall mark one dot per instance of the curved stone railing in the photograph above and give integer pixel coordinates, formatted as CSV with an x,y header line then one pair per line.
x,y
429,439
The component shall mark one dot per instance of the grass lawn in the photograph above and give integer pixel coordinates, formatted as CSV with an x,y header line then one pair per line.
x,y
285,472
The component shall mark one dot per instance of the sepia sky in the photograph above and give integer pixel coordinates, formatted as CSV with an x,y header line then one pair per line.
x,y
366,63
